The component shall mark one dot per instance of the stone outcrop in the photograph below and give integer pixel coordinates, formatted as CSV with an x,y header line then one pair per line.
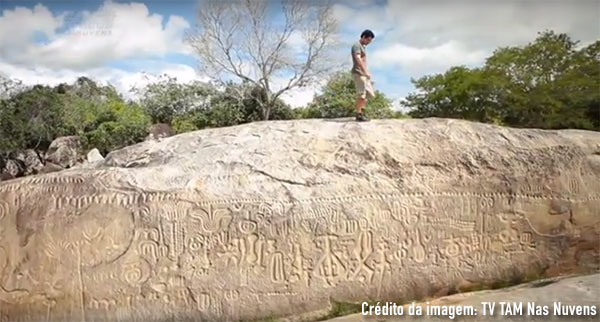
x,y
94,156
14,168
31,160
160,131
65,151
277,218
20,163
50,167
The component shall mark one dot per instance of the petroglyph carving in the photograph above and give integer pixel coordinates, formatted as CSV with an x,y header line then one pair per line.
x,y
3,209
233,252
418,250
283,228
463,225
526,240
487,203
136,272
247,226
211,219
300,267
399,211
362,252
329,266
102,304
253,248
151,234
204,301
198,234
277,268
310,226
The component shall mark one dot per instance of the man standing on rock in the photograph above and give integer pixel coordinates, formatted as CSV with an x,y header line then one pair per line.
x,y
361,75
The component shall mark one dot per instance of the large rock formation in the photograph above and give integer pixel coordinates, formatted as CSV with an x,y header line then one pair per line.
x,y
277,218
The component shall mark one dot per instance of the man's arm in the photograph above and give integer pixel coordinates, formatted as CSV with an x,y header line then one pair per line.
x,y
363,64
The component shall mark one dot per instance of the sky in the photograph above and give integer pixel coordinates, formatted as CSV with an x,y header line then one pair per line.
x,y
129,43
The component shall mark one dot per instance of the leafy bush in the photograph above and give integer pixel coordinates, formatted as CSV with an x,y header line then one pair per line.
x,y
338,99
167,99
33,117
121,125
545,84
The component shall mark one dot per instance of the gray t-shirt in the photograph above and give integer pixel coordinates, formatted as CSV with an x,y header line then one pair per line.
x,y
358,48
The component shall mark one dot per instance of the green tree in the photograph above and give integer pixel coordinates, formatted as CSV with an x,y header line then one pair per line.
x,y
30,119
235,104
121,125
338,99
548,83
167,99
33,117
459,92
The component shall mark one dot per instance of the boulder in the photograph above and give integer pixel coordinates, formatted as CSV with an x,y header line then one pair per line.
x,y
31,160
94,156
160,131
65,151
273,219
14,167
50,167
5,175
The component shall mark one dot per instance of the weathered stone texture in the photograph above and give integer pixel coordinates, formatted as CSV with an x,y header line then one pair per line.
x,y
277,218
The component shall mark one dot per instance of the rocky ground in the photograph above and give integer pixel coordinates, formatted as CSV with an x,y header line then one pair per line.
x,y
569,292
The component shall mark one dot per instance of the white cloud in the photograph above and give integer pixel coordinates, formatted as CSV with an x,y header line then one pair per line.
x,y
482,24
421,61
299,97
18,27
489,24
115,31
121,79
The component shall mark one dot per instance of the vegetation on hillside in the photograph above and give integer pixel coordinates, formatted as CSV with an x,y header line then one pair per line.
x,y
549,83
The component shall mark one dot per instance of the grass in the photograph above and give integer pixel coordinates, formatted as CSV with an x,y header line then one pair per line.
x,y
269,318
340,309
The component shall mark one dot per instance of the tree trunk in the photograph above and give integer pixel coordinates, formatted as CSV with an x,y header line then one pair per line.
x,y
268,105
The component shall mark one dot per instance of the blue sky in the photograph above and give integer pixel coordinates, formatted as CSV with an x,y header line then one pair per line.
x,y
126,43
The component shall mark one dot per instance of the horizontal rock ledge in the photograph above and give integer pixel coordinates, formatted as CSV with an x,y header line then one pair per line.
x,y
275,219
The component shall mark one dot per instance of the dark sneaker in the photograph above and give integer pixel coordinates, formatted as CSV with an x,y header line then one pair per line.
x,y
362,118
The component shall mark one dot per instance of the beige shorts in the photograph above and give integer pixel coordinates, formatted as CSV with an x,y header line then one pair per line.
x,y
364,88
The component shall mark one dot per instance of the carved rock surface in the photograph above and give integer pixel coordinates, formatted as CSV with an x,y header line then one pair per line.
x,y
554,299
276,218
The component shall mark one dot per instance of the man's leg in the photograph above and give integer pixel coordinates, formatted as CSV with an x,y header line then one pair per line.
x,y
361,100
361,103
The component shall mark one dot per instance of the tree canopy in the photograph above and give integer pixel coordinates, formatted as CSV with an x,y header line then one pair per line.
x,y
548,83
338,99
